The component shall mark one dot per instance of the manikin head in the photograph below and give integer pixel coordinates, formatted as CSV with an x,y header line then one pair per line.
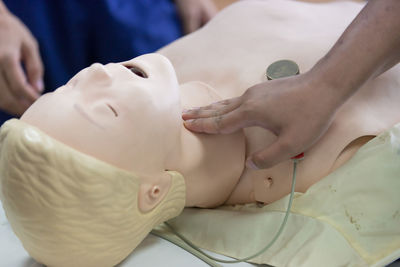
x,y
85,193
111,111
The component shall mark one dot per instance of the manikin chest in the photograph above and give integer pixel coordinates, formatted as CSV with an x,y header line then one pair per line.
x,y
232,53
370,111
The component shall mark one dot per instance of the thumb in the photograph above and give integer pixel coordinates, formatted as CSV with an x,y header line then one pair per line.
x,y
219,124
278,151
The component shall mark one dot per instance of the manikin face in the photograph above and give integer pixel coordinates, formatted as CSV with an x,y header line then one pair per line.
x,y
126,114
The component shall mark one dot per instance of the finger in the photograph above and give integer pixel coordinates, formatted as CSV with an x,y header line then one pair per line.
x,y
215,109
221,124
278,151
7,101
21,106
185,23
33,64
16,81
192,23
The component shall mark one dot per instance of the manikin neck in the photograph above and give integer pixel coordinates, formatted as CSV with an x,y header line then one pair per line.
x,y
210,164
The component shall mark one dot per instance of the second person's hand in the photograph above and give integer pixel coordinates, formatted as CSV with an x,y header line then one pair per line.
x,y
298,110
195,13
18,90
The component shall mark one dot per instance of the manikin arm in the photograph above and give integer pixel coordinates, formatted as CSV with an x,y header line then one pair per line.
x,y
298,110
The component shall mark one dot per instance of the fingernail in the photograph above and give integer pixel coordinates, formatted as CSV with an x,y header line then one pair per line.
x,y
187,110
189,121
250,164
40,85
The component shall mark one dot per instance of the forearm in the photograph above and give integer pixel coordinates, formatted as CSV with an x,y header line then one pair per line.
x,y
368,47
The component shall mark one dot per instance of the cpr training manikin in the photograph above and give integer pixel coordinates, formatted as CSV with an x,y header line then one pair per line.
x,y
90,169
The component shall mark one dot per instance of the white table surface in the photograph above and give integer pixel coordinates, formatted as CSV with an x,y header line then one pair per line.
x,y
153,251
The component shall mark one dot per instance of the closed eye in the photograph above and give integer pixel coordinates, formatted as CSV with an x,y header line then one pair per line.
x,y
113,110
137,71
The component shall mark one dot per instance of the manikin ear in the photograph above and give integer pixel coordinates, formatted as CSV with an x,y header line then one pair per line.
x,y
153,191
196,94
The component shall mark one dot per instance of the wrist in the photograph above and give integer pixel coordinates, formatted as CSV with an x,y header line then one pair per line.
x,y
323,85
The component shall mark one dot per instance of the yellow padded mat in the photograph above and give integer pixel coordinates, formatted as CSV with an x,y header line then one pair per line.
x,y
349,218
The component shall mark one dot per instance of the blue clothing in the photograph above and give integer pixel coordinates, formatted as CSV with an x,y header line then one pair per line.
x,y
73,34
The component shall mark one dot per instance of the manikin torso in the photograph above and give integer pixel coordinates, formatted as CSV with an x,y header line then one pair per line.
x,y
227,56
232,53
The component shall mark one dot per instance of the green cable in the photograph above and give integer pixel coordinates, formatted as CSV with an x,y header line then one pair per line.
x,y
193,246
181,244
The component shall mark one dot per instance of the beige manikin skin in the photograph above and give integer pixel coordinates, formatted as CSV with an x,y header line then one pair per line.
x,y
114,114
231,54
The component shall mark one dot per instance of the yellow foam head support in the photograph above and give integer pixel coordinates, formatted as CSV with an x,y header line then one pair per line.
x,y
70,209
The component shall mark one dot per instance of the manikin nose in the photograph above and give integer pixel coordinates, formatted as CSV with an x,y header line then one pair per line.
x,y
97,73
